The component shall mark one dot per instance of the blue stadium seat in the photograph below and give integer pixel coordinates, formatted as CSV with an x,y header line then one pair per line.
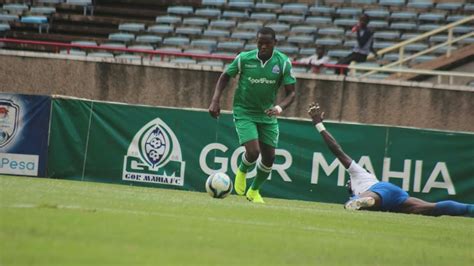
x,y
196,51
234,14
169,49
307,51
161,29
322,10
403,26
420,4
250,46
300,39
281,37
454,18
378,24
88,43
9,17
349,11
469,7
112,45
377,13
180,10
216,33
288,49
152,39
243,35
231,45
392,2
133,27
469,40
331,31
318,20
428,27
15,8
241,4
213,2
290,18
431,17
303,30
121,37
295,8
328,42
267,6
208,12
404,15
141,47
382,45
40,21
42,10
178,41
279,27
339,53
196,21
416,47
4,27
449,6
463,29
298,69
393,56
208,43
389,35
345,22
250,25
263,16
86,4
438,38
350,43
225,53
423,58
188,30
223,23
168,19
407,36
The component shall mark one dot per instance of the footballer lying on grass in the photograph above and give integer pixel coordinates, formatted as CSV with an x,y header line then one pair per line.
x,y
367,193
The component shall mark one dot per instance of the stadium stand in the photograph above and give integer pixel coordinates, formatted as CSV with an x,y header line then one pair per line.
x,y
228,27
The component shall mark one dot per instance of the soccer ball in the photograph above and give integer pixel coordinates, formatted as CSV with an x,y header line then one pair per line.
x,y
219,185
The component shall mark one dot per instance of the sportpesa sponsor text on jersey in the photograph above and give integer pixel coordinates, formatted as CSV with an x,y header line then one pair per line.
x,y
258,83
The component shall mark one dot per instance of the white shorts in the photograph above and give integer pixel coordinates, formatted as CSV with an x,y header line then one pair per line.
x,y
361,180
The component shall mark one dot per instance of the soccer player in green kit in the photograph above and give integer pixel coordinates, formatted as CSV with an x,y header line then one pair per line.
x,y
262,72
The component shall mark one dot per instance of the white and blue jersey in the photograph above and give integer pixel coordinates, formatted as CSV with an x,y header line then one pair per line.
x,y
361,180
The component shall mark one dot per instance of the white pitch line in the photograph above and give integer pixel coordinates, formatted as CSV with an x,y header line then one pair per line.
x,y
170,215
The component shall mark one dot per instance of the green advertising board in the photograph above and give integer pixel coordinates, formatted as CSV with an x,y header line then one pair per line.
x,y
176,148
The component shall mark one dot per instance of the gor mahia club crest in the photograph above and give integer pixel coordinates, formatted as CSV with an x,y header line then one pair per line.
x,y
9,119
154,156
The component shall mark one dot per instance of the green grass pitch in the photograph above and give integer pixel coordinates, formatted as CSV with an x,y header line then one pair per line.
x,y
58,222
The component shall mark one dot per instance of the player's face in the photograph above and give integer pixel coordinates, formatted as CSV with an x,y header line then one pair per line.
x,y
265,45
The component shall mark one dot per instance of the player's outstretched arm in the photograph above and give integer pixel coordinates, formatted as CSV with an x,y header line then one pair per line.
x,y
290,96
317,116
214,107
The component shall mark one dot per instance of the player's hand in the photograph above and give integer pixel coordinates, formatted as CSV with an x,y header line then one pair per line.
x,y
315,112
274,111
214,109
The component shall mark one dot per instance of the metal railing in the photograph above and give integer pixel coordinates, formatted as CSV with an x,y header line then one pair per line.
x,y
151,53
401,49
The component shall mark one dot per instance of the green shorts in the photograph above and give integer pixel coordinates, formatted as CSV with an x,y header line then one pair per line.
x,y
248,130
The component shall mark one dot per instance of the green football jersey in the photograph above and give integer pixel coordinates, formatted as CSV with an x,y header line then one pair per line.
x,y
258,83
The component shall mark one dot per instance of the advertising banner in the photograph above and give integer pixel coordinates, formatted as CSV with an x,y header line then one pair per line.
x,y
175,148
24,124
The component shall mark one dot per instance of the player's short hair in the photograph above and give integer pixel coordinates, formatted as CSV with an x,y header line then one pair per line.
x,y
267,30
